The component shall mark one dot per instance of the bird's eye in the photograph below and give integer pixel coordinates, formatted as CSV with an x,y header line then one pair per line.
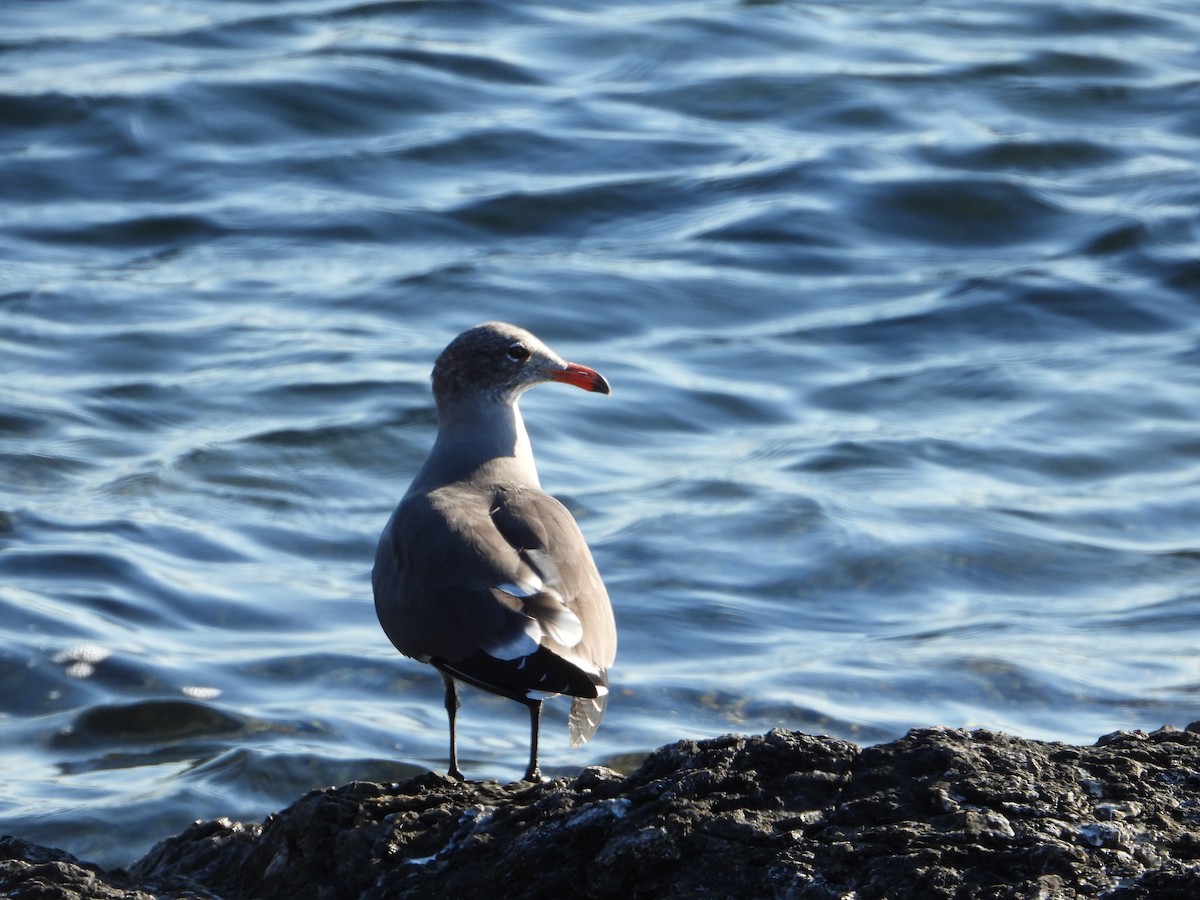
x,y
518,352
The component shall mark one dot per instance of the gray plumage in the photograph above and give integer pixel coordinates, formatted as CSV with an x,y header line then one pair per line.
x,y
479,572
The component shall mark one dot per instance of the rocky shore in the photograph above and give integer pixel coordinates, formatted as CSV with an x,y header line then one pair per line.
x,y
940,813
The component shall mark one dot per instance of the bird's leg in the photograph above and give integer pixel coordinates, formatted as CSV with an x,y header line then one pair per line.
x,y
535,718
452,712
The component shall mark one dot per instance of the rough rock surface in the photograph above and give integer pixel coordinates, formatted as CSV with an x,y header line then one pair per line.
x,y
938,814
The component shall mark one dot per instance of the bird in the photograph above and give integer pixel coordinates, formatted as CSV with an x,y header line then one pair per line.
x,y
479,572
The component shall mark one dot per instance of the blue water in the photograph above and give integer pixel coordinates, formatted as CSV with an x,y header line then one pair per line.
x,y
900,303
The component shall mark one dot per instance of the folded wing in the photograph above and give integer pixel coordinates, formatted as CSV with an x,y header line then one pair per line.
x,y
498,588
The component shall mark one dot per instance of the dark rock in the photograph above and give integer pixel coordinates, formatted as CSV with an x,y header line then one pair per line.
x,y
939,814
30,871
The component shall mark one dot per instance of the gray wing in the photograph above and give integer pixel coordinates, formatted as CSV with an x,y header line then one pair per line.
x,y
498,587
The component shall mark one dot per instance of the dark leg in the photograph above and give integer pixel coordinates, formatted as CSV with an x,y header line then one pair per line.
x,y
452,712
535,718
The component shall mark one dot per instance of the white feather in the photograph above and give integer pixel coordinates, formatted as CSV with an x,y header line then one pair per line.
x,y
523,644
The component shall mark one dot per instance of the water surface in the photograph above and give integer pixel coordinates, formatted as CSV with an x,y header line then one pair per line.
x,y
898,300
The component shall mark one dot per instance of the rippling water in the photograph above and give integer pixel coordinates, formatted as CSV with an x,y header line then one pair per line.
x,y
899,302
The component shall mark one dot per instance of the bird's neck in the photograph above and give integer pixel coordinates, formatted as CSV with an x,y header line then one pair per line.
x,y
479,439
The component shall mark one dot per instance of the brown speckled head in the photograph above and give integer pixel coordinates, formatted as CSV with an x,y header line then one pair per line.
x,y
498,361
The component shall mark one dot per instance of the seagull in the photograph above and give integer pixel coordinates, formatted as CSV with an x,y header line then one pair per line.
x,y
479,572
